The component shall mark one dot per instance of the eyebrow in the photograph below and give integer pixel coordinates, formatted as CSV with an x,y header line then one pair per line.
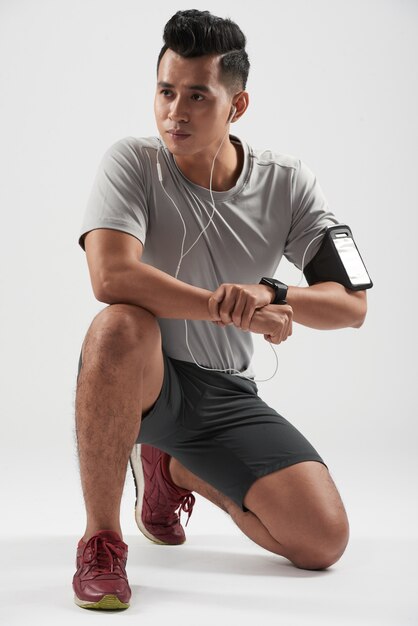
x,y
205,88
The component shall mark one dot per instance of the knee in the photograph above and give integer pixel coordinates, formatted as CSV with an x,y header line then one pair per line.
x,y
325,547
121,326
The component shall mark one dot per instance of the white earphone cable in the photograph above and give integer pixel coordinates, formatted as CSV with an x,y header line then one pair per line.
x,y
160,178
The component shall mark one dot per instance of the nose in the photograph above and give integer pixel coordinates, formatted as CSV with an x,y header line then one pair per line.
x,y
178,111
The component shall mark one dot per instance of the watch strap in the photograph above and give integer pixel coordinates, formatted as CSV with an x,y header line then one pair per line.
x,y
279,288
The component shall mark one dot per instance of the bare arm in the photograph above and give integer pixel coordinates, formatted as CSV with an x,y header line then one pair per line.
x,y
118,275
327,306
324,306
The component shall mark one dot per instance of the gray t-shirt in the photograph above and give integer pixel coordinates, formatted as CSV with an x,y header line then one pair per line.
x,y
276,208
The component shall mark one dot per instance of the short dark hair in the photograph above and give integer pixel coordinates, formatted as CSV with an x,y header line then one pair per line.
x,y
194,33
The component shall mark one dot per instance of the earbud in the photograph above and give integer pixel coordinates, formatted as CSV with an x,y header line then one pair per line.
x,y
233,111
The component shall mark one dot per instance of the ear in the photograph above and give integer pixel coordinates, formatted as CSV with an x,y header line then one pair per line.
x,y
240,104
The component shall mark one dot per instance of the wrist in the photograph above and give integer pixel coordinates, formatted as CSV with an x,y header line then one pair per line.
x,y
292,294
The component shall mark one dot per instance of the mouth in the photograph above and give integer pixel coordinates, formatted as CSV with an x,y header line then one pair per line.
x,y
178,133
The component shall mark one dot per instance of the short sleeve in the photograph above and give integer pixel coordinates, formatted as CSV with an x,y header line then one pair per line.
x,y
310,216
118,198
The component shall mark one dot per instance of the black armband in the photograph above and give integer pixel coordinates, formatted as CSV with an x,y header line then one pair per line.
x,y
338,260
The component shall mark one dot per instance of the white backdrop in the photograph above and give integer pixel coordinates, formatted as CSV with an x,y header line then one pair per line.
x,y
332,82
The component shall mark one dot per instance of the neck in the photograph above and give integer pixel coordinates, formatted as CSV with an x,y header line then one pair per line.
x,y
226,169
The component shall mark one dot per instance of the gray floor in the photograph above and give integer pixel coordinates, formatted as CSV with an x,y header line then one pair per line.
x,y
217,579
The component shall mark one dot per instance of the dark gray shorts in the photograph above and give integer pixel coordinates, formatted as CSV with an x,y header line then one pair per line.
x,y
218,427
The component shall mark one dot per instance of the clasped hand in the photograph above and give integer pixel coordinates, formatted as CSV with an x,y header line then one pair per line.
x,y
248,308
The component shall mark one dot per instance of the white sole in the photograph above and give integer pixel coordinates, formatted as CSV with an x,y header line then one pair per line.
x,y
138,473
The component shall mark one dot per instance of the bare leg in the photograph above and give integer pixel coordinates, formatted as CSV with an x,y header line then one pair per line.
x,y
297,514
245,520
121,357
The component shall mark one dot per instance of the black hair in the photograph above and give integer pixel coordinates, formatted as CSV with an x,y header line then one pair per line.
x,y
194,33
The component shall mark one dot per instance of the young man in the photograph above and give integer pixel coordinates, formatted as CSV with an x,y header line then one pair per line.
x,y
165,378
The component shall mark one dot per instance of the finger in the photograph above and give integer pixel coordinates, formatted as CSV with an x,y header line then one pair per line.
x,y
249,311
275,339
289,326
239,309
290,316
280,333
285,327
213,309
283,335
219,293
226,318
216,299
226,308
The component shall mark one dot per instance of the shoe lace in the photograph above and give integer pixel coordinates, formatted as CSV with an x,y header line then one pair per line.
x,y
187,504
103,552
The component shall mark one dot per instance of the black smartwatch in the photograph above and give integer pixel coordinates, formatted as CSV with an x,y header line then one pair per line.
x,y
279,288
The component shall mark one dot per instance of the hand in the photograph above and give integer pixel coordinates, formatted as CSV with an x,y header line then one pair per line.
x,y
233,303
274,321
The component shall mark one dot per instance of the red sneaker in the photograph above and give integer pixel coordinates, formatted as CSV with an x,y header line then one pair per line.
x,y
159,501
100,581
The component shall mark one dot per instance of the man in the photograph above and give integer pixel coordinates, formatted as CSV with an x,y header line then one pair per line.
x,y
165,378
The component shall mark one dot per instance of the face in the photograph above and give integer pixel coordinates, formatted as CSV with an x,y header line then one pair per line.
x,y
190,99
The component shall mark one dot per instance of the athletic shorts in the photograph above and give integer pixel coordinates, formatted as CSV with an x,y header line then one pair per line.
x,y
219,428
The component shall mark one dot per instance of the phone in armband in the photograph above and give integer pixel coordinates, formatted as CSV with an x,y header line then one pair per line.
x,y
338,259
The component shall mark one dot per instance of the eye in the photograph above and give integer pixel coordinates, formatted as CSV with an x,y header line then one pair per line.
x,y
168,91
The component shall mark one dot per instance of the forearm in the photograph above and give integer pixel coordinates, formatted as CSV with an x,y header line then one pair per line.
x,y
327,306
158,292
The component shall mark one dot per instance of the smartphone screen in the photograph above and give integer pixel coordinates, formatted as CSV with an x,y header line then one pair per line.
x,y
351,260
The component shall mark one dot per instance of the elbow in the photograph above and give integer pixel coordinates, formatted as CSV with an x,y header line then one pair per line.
x,y
358,324
102,292
359,307
360,319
